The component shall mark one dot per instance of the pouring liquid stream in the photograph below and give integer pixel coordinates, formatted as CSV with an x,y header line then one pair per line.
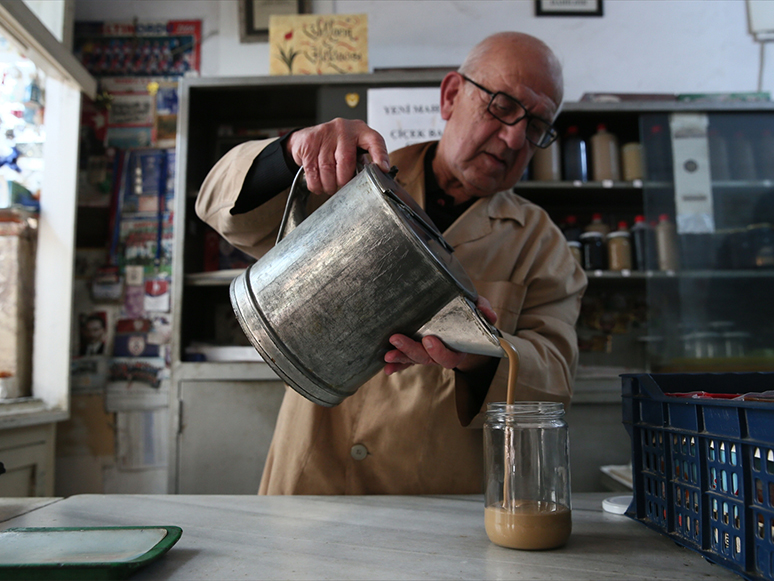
x,y
513,369
513,374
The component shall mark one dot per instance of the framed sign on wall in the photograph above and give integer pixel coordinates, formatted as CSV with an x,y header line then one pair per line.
x,y
254,16
568,7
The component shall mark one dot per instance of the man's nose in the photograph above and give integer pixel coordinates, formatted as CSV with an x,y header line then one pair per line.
x,y
514,136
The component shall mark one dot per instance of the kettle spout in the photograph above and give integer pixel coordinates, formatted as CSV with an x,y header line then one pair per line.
x,y
462,327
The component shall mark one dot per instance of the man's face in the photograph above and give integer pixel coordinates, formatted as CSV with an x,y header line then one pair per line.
x,y
483,153
94,331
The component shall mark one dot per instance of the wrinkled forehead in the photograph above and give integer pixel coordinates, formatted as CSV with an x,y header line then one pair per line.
x,y
533,82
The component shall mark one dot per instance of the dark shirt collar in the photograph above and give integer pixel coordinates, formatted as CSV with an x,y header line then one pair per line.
x,y
438,204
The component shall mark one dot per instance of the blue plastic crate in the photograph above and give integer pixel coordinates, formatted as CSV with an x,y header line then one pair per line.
x,y
703,469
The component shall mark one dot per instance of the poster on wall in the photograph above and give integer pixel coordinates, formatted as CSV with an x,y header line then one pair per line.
x,y
405,116
127,49
142,112
319,44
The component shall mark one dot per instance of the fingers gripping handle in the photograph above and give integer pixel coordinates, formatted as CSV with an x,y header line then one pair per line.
x,y
295,208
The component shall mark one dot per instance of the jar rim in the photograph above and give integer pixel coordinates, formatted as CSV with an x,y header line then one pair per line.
x,y
527,408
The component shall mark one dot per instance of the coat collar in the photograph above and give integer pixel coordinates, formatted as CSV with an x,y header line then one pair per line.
x,y
476,221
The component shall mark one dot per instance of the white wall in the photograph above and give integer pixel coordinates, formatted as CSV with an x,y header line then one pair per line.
x,y
54,15
672,46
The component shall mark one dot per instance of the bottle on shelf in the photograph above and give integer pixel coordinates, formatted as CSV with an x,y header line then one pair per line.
x,y
666,244
631,161
547,163
619,248
657,151
571,229
741,157
574,156
718,151
597,225
594,251
605,164
644,252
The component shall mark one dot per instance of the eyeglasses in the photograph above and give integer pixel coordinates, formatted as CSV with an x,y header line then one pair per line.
x,y
508,110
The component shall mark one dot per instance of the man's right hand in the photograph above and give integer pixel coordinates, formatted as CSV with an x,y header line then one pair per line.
x,y
328,152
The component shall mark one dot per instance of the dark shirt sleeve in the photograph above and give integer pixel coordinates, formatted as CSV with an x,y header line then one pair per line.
x,y
269,176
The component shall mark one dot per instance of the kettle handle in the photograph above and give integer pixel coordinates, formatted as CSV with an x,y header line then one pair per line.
x,y
295,208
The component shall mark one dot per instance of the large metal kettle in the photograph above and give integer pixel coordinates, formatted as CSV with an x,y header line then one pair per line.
x,y
321,305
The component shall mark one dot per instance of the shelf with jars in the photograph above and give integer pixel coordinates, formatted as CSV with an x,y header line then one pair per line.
x,y
669,207
627,177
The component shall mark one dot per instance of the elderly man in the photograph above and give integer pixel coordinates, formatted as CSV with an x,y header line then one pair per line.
x,y
412,429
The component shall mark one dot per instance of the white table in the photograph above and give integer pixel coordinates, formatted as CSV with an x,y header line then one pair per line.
x,y
371,537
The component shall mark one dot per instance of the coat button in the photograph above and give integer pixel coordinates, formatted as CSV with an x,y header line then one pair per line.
x,y
359,452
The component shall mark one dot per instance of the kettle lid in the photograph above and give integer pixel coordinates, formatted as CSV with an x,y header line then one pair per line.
x,y
423,228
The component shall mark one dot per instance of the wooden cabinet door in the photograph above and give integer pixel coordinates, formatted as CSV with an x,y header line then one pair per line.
x,y
28,456
224,435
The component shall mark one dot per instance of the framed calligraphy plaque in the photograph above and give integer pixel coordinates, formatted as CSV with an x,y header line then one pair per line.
x,y
318,44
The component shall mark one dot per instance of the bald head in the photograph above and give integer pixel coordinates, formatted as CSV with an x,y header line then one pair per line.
x,y
479,154
522,51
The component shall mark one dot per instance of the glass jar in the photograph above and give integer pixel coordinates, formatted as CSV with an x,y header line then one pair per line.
x,y
527,463
576,251
619,251
735,343
707,345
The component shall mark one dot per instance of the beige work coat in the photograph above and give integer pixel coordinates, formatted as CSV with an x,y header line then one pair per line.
x,y
415,432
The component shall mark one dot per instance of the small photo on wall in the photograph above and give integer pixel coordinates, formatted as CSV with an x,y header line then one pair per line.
x,y
93,333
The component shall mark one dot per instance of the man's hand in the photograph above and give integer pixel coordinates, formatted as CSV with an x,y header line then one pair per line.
x,y
432,351
328,152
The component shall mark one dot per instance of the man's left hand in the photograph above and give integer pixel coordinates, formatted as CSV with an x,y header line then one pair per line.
x,y
431,350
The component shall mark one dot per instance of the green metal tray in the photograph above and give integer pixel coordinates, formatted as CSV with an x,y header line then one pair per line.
x,y
82,552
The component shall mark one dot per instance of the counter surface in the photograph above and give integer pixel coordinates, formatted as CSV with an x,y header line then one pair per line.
x,y
370,537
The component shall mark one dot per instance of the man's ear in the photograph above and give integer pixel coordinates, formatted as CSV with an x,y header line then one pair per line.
x,y
451,87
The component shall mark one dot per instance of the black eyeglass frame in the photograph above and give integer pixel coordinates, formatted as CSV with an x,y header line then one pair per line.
x,y
550,134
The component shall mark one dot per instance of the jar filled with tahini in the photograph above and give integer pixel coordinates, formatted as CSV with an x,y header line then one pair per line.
x,y
527,496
